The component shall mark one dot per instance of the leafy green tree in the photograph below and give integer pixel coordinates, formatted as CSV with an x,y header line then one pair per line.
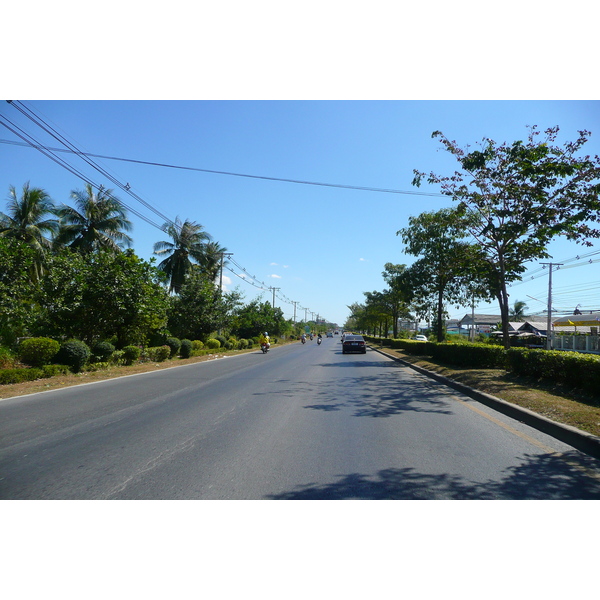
x,y
523,195
102,295
27,220
188,245
446,263
398,293
17,308
98,222
200,309
256,317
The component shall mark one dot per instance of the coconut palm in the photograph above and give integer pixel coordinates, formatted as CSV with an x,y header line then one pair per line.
x,y
211,263
189,244
98,222
517,312
26,221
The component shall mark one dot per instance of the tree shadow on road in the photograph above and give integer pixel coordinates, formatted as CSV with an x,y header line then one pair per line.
x,y
544,477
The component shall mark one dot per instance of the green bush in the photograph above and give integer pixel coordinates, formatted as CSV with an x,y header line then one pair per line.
x,y
131,354
7,358
54,370
222,340
157,353
213,344
117,358
242,344
186,349
73,353
101,352
38,351
197,345
8,376
97,366
173,344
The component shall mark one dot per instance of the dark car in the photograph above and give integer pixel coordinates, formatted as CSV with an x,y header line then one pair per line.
x,y
354,343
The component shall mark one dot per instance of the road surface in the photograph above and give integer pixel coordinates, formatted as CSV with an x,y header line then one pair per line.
x,y
301,422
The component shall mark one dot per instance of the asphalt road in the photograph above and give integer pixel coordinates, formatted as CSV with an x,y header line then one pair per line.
x,y
301,422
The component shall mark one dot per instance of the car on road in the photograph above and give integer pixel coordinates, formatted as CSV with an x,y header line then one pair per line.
x,y
420,338
354,343
329,334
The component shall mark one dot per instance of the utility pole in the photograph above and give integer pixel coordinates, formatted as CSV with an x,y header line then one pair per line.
x,y
294,303
549,320
274,289
222,254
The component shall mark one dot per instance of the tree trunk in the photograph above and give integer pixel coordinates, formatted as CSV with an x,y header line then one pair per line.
x,y
440,315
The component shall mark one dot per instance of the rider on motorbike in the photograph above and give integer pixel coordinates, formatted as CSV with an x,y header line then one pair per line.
x,y
264,340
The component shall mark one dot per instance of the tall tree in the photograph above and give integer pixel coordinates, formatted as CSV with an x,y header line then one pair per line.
x,y
188,246
523,194
27,220
517,312
98,222
446,260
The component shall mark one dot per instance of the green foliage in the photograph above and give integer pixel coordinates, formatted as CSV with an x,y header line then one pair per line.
x,y
213,344
257,317
7,358
37,352
54,370
174,344
131,354
197,345
157,353
186,349
200,308
222,340
242,344
8,376
73,353
100,295
101,352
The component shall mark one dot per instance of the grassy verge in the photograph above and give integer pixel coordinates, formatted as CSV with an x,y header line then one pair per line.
x,y
62,381
559,403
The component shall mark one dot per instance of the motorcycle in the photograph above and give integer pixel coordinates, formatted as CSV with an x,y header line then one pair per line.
x,y
319,340
265,348
304,340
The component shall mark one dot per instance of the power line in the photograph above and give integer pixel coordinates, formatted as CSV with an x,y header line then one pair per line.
x,y
231,174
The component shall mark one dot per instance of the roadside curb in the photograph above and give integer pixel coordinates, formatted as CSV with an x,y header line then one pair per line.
x,y
583,441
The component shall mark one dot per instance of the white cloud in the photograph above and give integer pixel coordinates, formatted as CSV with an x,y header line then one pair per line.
x,y
286,266
362,259
226,282
275,276
273,264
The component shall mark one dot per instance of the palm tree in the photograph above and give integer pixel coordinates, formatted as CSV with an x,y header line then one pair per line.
x,y
189,244
211,263
26,221
517,312
98,222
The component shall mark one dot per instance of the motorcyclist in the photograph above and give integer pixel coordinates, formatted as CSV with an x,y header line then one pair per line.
x,y
303,338
264,340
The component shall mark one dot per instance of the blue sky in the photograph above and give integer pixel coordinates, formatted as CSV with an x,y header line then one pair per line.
x,y
322,246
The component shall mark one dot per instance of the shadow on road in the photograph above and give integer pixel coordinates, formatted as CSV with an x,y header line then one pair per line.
x,y
545,477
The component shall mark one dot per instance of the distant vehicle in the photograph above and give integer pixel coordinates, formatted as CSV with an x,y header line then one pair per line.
x,y
337,332
329,334
354,343
420,338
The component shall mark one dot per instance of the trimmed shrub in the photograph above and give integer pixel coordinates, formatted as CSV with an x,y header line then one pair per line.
x,y
101,352
186,349
197,345
38,352
8,376
131,354
117,358
54,370
97,366
73,353
173,344
222,340
242,344
158,353
213,344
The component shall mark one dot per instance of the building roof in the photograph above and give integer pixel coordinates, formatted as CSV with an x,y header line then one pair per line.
x,y
480,319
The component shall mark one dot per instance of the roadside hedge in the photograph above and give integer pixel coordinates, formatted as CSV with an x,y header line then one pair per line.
x,y
570,368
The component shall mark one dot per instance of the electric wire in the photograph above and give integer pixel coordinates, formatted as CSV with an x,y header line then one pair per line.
x,y
264,177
